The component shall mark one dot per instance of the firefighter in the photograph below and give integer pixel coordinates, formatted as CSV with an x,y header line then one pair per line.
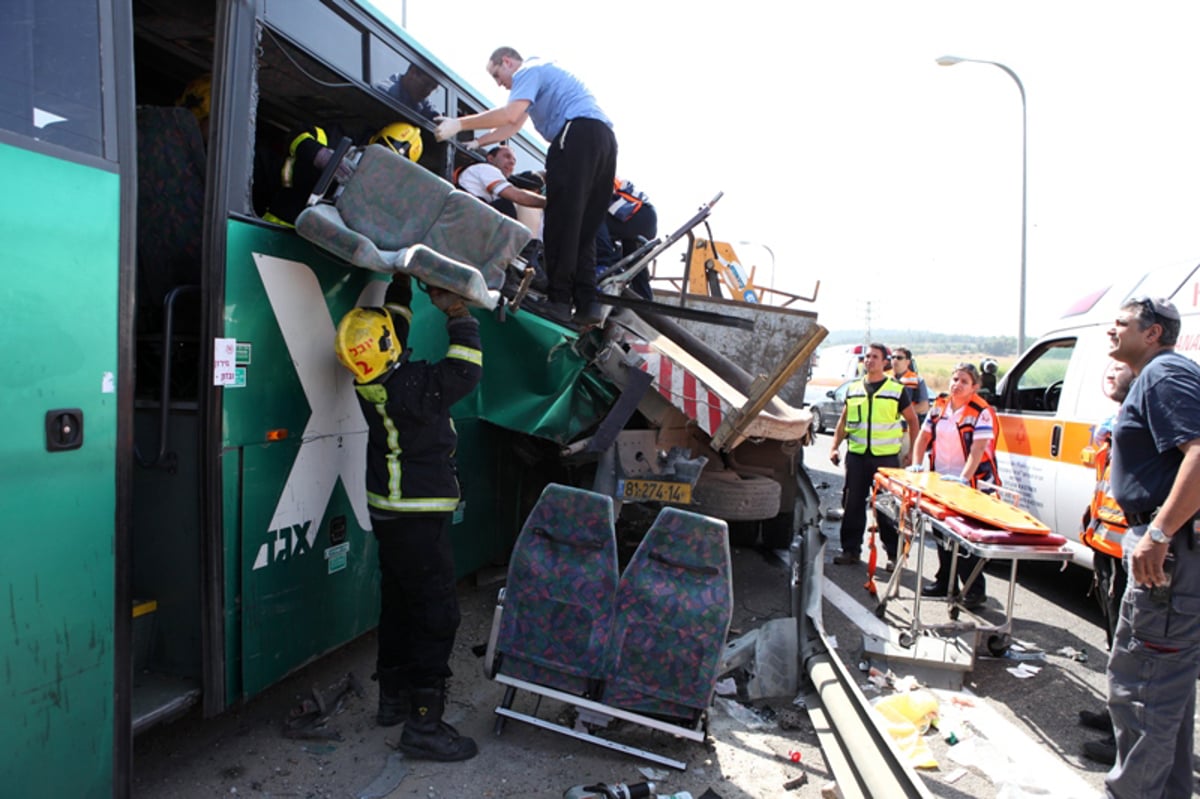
x,y
412,490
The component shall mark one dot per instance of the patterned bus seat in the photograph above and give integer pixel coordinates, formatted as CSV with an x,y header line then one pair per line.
x,y
392,205
558,601
673,609
171,166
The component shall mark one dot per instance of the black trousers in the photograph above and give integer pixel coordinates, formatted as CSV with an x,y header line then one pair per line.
x,y
1109,586
644,224
860,475
418,613
580,167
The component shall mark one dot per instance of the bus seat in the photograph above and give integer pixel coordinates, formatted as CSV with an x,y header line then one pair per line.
x,y
674,606
170,207
392,204
558,600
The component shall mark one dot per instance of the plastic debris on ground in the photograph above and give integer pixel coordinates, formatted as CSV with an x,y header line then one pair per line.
x,y
389,778
908,716
1078,655
747,717
774,671
1023,671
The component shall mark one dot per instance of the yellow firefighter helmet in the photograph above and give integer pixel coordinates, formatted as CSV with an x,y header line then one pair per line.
x,y
401,138
367,343
197,97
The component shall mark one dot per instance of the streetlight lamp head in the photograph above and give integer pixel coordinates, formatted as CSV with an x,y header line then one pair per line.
x,y
949,60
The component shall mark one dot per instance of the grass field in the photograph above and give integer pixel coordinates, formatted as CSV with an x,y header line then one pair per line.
x,y
936,368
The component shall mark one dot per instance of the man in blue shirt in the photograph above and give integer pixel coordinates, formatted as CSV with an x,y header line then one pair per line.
x,y
580,168
1155,657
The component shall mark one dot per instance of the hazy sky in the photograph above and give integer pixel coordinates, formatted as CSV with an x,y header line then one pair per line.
x,y
843,147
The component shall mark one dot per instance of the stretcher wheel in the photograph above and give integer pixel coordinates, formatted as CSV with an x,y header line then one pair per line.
x,y
998,644
906,639
881,609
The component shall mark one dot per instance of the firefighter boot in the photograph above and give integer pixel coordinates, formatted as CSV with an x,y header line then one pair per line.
x,y
426,736
395,696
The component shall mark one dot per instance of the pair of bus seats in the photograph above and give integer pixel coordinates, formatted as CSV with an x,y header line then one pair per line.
x,y
643,646
393,216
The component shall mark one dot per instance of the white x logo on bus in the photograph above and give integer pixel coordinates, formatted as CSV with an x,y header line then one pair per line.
x,y
335,438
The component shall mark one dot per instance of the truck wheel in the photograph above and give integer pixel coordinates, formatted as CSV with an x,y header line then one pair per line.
x,y
736,497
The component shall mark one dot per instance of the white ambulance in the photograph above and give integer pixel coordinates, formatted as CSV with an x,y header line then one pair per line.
x,y
1050,402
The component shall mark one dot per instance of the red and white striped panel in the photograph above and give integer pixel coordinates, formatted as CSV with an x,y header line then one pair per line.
x,y
681,388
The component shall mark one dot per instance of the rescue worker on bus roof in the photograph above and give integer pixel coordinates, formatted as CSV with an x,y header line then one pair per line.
x,y
412,490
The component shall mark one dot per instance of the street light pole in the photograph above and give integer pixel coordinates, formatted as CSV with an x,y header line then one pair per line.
x,y
949,61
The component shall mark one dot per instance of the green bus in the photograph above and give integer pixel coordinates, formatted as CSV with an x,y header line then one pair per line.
x,y
178,529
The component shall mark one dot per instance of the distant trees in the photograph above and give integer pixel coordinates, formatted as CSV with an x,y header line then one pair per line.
x,y
922,341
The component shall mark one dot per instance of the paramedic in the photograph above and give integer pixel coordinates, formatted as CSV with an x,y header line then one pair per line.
x,y
580,167
904,370
412,490
630,219
1103,530
959,434
870,423
1155,657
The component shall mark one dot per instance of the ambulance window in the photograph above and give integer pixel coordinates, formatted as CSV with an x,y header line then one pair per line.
x,y
1037,386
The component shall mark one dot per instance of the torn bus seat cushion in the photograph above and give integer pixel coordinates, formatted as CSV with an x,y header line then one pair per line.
x,y
674,606
559,597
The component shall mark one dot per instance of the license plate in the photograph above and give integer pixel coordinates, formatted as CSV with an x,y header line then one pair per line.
x,y
654,491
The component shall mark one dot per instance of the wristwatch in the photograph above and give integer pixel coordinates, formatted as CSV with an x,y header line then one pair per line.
x,y
1157,535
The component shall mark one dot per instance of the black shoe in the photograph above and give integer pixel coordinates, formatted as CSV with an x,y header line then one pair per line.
x,y
427,737
1101,751
934,588
847,559
1096,721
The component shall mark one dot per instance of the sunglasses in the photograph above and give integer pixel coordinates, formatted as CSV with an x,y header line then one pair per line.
x,y
1161,308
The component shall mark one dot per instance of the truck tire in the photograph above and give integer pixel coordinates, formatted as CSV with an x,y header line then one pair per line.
x,y
736,497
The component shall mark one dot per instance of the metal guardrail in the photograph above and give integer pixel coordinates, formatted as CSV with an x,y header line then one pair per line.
x,y
864,759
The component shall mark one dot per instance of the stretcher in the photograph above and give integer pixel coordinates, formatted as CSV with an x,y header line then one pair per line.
x,y
960,518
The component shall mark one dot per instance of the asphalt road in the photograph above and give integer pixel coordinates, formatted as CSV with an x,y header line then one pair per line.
x,y
1020,736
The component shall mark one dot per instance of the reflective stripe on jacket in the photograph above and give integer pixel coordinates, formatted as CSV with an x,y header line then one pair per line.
x,y
411,439
975,406
873,421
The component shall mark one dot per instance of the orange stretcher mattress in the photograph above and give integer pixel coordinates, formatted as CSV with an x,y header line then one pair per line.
x,y
944,499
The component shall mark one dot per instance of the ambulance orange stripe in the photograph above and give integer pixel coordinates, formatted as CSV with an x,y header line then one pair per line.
x,y
1032,436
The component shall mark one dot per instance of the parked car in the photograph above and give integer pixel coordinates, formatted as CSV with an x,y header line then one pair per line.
x,y
826,408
